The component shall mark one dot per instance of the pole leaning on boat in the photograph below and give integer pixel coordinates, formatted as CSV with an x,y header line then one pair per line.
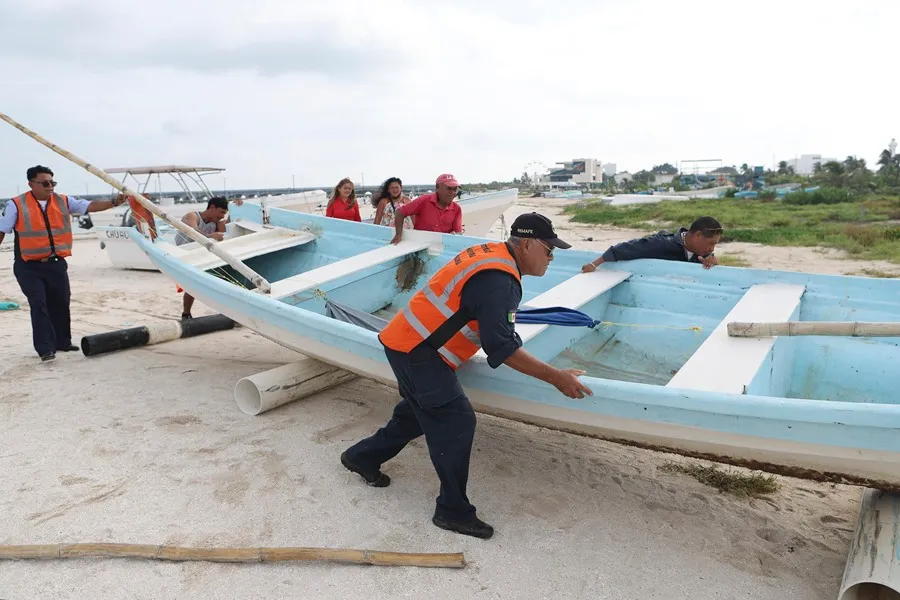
x,y
792,328
255,278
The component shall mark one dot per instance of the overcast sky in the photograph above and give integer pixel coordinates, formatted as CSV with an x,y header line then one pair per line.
x,y
370,89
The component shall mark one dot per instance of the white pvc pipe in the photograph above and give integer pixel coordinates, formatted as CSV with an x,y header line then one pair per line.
x,y
267,390
873,571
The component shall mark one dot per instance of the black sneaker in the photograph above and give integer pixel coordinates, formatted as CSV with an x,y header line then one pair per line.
x,y
475,528
373,478
48,356
69,348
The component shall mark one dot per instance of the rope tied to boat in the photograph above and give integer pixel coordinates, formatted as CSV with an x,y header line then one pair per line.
x,y
694,328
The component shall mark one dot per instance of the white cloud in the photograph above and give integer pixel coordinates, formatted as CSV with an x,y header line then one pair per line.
x,y
321,90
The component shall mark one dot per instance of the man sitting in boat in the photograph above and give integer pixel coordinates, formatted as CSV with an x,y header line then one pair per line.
x,y
694,244
433,212
480,290
211,223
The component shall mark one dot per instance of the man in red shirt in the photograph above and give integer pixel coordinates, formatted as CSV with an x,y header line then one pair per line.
x,y
433,212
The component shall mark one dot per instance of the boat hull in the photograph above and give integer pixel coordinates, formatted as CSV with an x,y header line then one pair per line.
x,y
849,442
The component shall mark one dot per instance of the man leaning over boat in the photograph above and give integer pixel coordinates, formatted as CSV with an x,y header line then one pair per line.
x,y
694,244
41,220
469,304
210,223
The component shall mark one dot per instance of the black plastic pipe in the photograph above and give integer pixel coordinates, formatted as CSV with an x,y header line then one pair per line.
x,y
133,337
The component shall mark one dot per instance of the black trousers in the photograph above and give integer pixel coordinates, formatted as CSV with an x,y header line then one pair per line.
x,y
46,285
433,404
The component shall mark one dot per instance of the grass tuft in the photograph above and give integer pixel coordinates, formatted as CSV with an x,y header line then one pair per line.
x,y
736,483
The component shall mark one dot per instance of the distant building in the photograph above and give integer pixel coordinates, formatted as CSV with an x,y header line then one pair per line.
x,y
622,177
609,170
574,173
805,164
663,178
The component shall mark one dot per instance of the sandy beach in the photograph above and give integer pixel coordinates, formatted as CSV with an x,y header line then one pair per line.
x,y
147,446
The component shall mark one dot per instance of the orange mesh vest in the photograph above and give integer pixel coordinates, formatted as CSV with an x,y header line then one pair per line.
x,y
440,299
39,238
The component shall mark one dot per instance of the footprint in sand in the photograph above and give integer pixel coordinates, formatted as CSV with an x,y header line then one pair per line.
x,y
828,519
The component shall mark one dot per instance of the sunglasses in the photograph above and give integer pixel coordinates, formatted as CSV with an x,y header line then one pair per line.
x,y
46,184
549,249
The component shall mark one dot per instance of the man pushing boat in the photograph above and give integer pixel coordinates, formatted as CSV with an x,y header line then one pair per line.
x,y
695,244
469,304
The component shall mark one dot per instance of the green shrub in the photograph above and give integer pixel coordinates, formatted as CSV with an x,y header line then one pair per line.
x,y
825,195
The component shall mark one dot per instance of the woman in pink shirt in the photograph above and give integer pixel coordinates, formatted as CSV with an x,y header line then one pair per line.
x,y
343,204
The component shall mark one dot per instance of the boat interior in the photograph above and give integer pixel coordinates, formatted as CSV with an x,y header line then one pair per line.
x,y
662,323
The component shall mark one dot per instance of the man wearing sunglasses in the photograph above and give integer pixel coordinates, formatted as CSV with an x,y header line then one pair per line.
x,y
469,304
695,244
42,222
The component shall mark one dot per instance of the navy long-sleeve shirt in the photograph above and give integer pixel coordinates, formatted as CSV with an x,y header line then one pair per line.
x,y
662,244
492,298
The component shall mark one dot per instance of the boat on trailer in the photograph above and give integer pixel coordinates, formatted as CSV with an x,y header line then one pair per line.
x,y
664,370
480,213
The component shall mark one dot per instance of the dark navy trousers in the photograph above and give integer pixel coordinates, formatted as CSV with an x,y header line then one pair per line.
x,y
46,285
433,404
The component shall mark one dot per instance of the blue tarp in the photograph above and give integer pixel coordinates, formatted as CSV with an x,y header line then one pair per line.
x,y
556,315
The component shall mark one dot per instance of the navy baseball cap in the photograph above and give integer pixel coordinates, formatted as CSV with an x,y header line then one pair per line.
x,y
537,226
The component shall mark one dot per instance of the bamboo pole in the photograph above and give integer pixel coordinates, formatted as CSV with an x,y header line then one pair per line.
x,y
234,555
255,278
791,328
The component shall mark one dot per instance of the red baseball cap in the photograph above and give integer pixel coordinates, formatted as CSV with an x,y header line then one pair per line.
x,y
447,179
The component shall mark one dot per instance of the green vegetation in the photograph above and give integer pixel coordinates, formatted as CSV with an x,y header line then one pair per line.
x,y
875,273
866,226
747,485
730,260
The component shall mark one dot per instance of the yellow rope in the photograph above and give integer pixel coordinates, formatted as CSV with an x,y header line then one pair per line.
x,y
694,328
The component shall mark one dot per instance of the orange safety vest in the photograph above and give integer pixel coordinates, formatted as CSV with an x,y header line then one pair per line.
x,y
35,241
440,299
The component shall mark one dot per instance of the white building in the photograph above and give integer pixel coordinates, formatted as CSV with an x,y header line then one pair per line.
x,y
577,172
805,164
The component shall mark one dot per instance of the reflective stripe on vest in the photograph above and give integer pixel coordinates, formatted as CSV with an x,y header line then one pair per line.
x,y
440,298
31,229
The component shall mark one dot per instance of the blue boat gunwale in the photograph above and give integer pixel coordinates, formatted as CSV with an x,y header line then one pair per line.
x,y
794,415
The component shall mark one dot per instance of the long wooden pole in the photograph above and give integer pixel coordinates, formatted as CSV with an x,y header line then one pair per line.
x,y
835,328
255,278
233,555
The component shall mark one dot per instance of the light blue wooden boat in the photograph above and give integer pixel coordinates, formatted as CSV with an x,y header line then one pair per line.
x,y
664,371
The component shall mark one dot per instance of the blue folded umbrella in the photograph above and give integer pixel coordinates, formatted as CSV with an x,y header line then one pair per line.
x,y
555,315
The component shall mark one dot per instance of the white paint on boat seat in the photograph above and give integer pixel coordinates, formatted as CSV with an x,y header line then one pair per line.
x,y
242,247
728,364
342,268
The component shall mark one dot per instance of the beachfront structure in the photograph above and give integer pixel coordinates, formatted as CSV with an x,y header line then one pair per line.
x,y
805,164
578,172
